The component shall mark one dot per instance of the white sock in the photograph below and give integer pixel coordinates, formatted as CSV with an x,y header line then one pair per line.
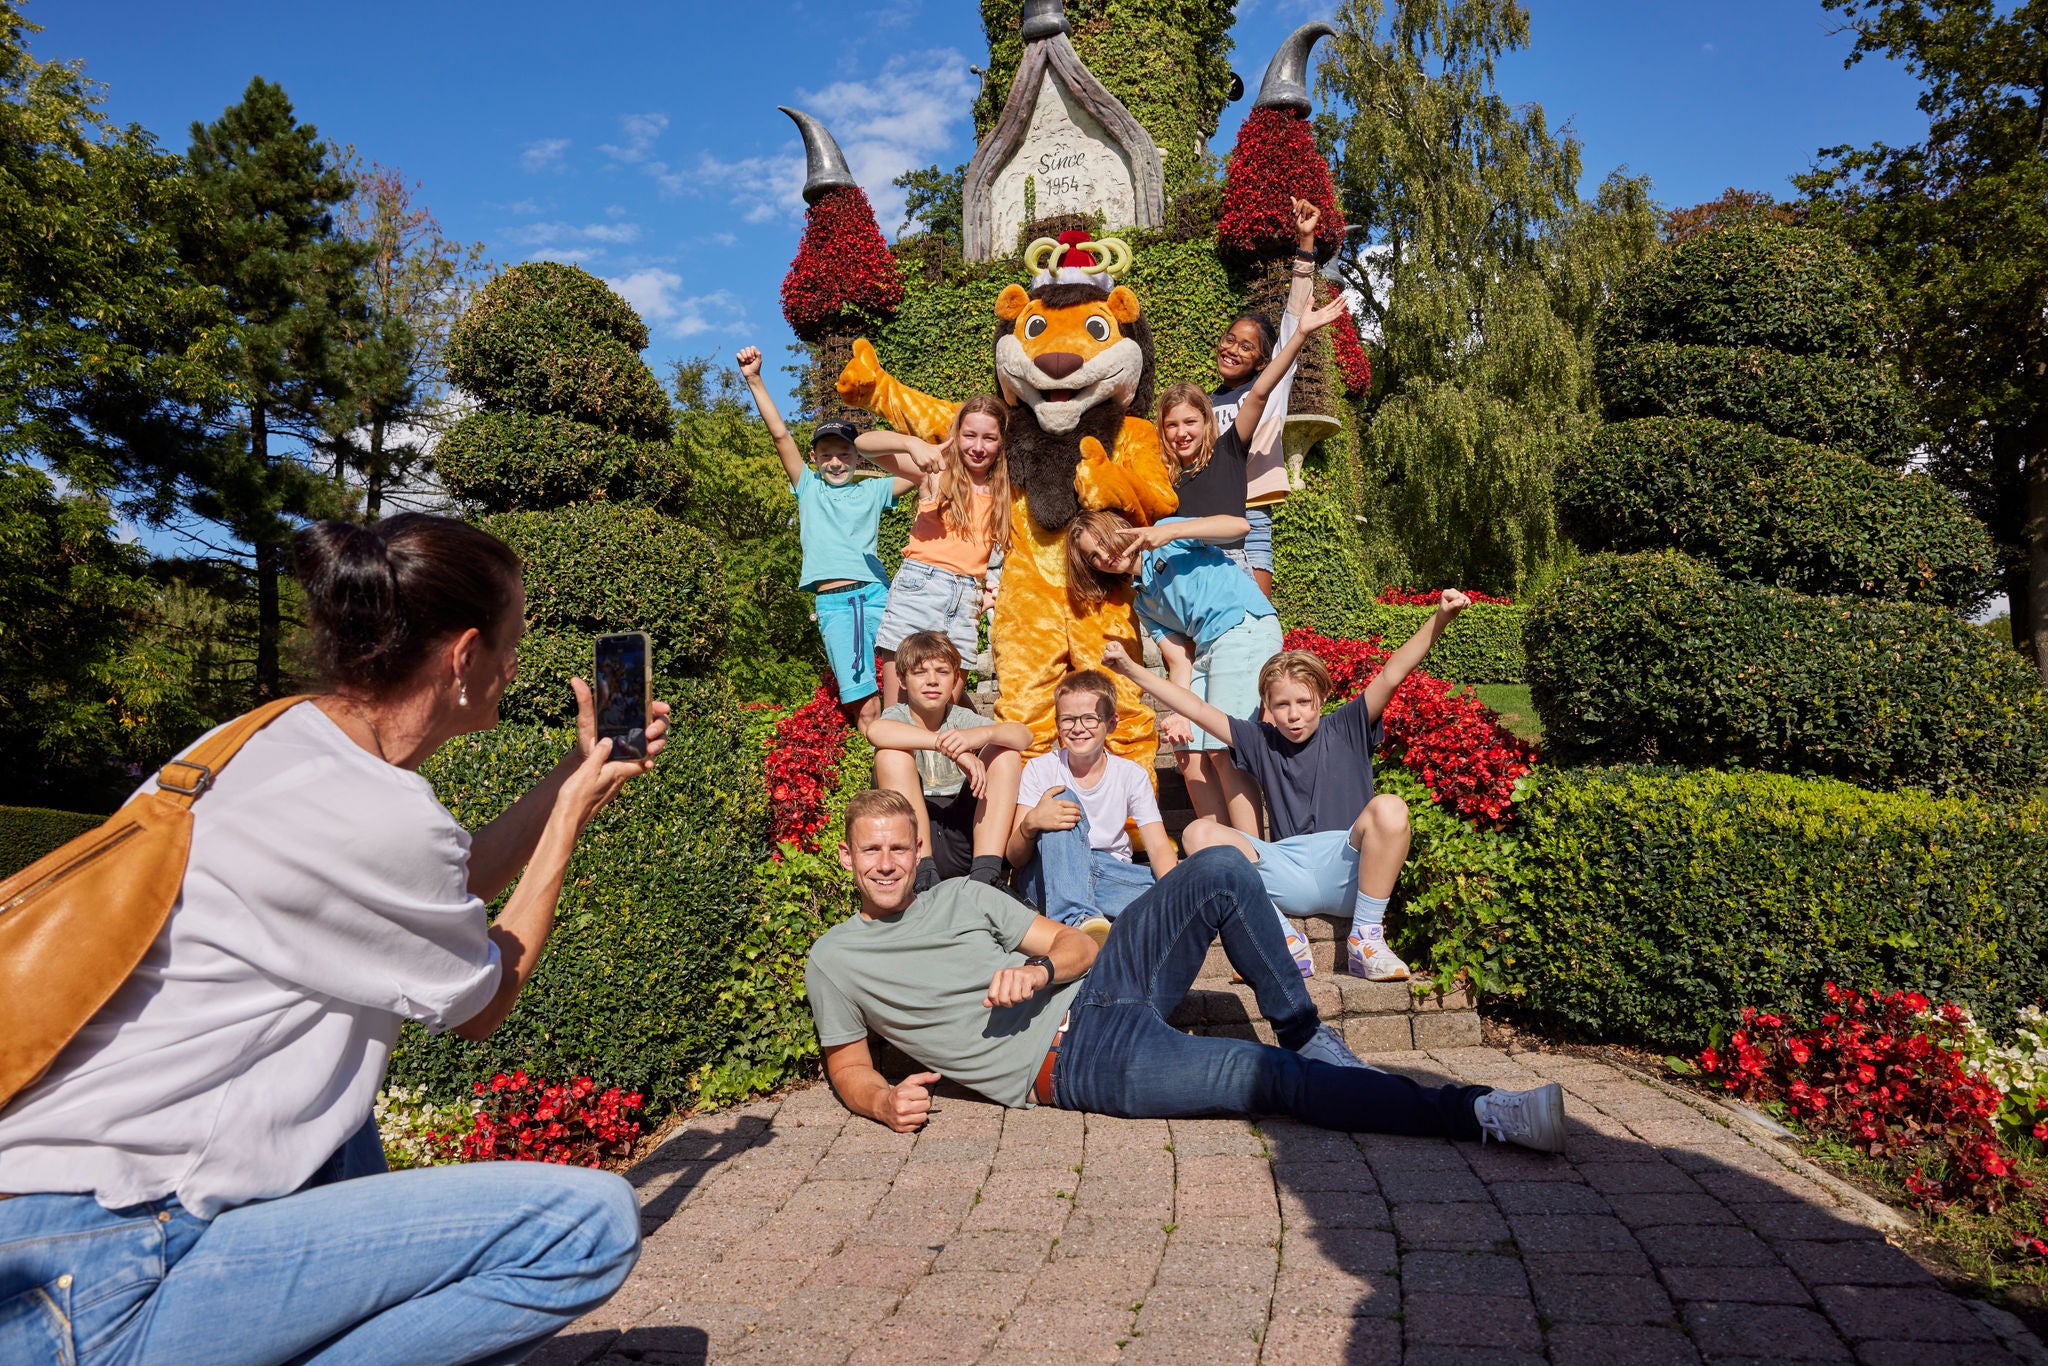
x,y
1368,915
1287,929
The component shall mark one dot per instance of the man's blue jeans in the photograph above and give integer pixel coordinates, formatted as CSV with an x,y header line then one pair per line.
x,y
1121,1057
1070,881
473,1263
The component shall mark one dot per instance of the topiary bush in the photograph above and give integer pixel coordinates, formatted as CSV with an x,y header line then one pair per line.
x,y
29,832
1654,906
1846,404
548,338
598,567
1769,510
1759,284
500,461
1660,657
652,911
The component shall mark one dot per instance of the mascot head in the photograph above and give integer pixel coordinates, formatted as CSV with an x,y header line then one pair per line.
x,y
1073,357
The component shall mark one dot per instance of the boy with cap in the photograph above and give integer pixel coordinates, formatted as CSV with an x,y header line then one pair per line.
x,y
839,519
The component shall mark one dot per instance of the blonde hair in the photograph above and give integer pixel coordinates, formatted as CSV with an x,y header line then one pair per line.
x,y
878,804
1096,684
1193,396
1086,584
1302,667
956,485
922,646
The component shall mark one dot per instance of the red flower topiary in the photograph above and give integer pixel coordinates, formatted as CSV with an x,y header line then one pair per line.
x,y
844,273
1275,162
1352,362
803,768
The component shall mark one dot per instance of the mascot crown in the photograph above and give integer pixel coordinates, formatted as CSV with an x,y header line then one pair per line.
x,y
1082,261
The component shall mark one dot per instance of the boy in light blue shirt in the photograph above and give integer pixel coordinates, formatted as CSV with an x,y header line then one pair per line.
x,y
839,520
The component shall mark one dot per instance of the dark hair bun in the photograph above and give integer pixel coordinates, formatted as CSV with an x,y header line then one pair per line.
x,y
383,597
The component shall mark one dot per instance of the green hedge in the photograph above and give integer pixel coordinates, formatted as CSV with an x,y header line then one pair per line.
x,y
1658,657
1766,509
500,462
29,832
549,338
652,915
1853,406
1763,284
1654,906
598,567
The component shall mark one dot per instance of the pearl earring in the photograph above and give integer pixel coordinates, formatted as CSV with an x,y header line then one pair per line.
x,y
462,697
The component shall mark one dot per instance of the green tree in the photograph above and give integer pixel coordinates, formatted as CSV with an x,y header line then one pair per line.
x,y
289,278
935,200
1957,227
1478,273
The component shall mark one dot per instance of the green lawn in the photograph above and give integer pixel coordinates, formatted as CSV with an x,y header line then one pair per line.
x,y
1511,700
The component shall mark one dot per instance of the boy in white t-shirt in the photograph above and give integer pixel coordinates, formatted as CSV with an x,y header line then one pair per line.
x,y
1072,807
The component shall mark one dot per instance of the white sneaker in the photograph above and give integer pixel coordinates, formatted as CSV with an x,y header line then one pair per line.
x,y
1096,927
1531,1119
1297,948
1373,960
1327,1045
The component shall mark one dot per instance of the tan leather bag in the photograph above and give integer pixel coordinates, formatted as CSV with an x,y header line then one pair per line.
x,y
75,923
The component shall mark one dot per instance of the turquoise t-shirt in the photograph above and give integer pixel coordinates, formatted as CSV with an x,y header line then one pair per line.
x,y
1191,588
839,525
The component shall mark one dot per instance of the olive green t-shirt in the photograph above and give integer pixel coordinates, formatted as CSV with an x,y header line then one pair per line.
x,y
941,776
917,978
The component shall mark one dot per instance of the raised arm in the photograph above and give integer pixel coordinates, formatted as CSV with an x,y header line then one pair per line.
x,y
1302,293
1254,403
1403,661
1220,529
785,444
901,454
1196,709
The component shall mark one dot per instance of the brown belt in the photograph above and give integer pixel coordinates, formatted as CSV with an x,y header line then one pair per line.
x,y
1041,1089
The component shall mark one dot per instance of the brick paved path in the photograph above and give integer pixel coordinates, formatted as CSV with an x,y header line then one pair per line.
x,y
790,1232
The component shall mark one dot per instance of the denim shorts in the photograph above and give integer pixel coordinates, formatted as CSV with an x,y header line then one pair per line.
x,y
847,620
1310,874
927,598
1258,542
1227,673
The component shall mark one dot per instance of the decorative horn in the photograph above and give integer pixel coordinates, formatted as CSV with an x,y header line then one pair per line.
x,y
824,164
1286,83
1045,19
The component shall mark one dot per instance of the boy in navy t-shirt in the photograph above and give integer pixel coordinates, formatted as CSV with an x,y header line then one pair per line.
x,y
1333,838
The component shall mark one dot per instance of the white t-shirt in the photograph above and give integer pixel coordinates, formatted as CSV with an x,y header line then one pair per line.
x,y
1121,793
326,899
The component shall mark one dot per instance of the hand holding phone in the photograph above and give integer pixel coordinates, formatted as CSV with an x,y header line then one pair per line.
x,y
625,690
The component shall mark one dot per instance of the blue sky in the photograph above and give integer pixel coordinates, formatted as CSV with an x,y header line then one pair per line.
x,y
642,141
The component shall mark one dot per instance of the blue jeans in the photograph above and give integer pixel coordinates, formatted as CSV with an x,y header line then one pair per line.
x,y
1121,1057
1070,881
472,1263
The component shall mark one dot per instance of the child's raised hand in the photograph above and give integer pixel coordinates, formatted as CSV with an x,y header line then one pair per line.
x,y
1317,319
1451,603
749,360
1306,219
1176,730
1114,656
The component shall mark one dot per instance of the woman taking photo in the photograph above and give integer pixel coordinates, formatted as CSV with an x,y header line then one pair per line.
x,y
168,1189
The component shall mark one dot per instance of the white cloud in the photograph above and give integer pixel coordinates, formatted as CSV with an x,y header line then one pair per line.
x,y
641,132
658,296
544,155
557,234
519,206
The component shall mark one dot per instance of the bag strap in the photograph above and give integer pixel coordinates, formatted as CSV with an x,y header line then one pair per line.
x,y
183,779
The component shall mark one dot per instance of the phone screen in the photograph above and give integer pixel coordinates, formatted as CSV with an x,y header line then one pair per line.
x,y
623,681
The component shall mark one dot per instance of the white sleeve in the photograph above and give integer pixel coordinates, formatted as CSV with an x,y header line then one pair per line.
x,y
1033,785
1273,421
1142,803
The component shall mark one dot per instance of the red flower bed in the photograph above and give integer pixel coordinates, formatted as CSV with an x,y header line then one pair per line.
x,y
529,1119
1408,597
1275,161
803,768
1885,1074
844,273
1352,362
1451,740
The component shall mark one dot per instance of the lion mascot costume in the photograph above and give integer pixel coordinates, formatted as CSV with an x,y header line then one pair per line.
x,y
1073,358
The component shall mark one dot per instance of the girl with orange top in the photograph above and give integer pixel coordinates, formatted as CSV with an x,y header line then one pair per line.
x,y
961,531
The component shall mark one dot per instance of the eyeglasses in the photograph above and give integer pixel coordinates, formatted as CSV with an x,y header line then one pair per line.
x,y
1084,725
1232,346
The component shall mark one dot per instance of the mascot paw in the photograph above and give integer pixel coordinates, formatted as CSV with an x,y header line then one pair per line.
x,y
1092,452
861,372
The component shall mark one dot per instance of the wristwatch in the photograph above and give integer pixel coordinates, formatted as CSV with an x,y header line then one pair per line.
x,y
1041,961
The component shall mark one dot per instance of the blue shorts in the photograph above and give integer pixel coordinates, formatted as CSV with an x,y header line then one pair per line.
x,y
1258,542
1310,874
928,598
1227,673
847,620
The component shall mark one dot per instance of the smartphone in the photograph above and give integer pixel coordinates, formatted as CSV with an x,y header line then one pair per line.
x,y
625,683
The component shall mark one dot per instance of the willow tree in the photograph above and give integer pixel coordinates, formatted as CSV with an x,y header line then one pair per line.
x,y
1478,272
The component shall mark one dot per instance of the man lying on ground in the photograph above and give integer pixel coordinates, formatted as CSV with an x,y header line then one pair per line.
x,y
1021,1008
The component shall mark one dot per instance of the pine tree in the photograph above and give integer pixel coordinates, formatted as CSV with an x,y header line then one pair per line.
x,y
290,281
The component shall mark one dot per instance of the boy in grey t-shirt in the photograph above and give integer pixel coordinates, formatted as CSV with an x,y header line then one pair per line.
x,y
959,772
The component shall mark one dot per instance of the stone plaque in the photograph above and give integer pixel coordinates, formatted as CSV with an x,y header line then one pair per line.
x,y
1066,163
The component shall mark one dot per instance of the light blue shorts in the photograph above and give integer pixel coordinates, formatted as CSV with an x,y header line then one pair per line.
x,y
848,620
1227,673
928,598
1258,542
1310,874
